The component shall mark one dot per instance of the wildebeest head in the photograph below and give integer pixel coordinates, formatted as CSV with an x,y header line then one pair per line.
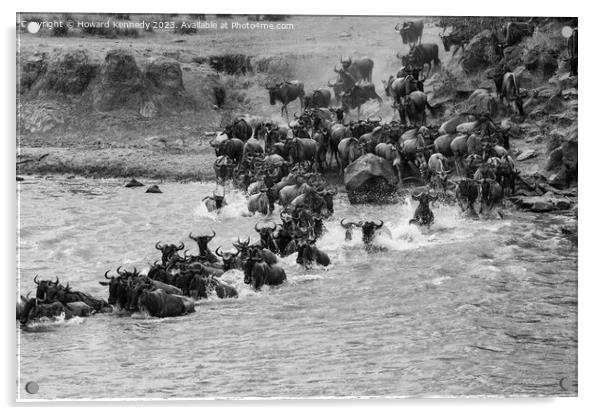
x,y
134,290
45,288
243,248
117,288
229,259
168,250
306,252
348,229
423,215
328,196
275,92
265,235
369,229
202,241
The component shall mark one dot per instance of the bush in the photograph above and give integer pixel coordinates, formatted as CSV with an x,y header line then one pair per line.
x,y
60,31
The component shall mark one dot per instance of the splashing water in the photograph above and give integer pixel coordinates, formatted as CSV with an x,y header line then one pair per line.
x,y
437,310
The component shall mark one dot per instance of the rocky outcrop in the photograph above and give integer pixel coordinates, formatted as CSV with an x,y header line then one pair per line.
x,y
480,53
370,179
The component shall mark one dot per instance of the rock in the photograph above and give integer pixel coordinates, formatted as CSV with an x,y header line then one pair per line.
x,y
32,69
133,183
345,35
558,179
153,189
526,79
68,73
467,127
20,179
526,155
554,159
480,53
449,126
542,206
370,179
570,93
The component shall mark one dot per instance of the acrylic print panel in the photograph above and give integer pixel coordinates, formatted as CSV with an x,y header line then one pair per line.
x,y
243,206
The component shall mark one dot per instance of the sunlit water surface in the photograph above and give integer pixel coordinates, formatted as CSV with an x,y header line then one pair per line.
x,y
465,308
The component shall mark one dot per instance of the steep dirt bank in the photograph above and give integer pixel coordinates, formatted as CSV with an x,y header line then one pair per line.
x,y
142,105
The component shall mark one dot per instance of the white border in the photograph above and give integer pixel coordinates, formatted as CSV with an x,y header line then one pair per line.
x,y
589,287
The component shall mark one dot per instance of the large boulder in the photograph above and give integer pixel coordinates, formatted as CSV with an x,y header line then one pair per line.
x,y
120,84
370,179
157,89
32,67
480,53
68,73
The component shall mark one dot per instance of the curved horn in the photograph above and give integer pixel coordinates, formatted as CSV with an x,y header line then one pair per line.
x,y
191,236
56,282
381,224
158,245
106,275
35,279
218,252
346,225
118,268
256,228
41,300
181,246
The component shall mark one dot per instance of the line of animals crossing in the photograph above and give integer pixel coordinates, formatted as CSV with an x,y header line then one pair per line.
x,y
285,164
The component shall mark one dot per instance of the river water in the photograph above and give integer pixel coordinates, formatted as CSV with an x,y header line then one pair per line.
x,y
465,308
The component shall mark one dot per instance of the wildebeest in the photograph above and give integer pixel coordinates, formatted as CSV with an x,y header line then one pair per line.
x,y
224,168
423,215
231,147
158,303
302,150
358,95
319,98
360,69
350,74
168,250
259,202
308,253
202,241
230,260
491,196
437,165
349,150
266,238
410,31
510,91
424,54
259,273
240,129
215,202
454,39
414,108
286,92
467,193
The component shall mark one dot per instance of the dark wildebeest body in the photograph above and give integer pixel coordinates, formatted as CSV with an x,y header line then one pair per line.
x,y
308,253
239,129
158,303
259,273
425,54
467,193
411,32
454,39
350,74
423,215
510,91
358,95
319,98
286,92
414,108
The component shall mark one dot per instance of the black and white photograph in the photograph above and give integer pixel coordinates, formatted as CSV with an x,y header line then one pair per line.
x,y
296,206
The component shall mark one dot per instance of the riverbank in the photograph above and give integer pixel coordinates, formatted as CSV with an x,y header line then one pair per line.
x,y
186,165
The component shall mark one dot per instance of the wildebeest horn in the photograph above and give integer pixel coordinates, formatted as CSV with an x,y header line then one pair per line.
x,y
35,279
218,252
346,225
181,246
118,268
106,275
56,282
256,228
192,237
41,300
158,245
381,224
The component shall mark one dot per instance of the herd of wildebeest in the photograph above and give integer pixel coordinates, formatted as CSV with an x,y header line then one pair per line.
x,y
286,163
